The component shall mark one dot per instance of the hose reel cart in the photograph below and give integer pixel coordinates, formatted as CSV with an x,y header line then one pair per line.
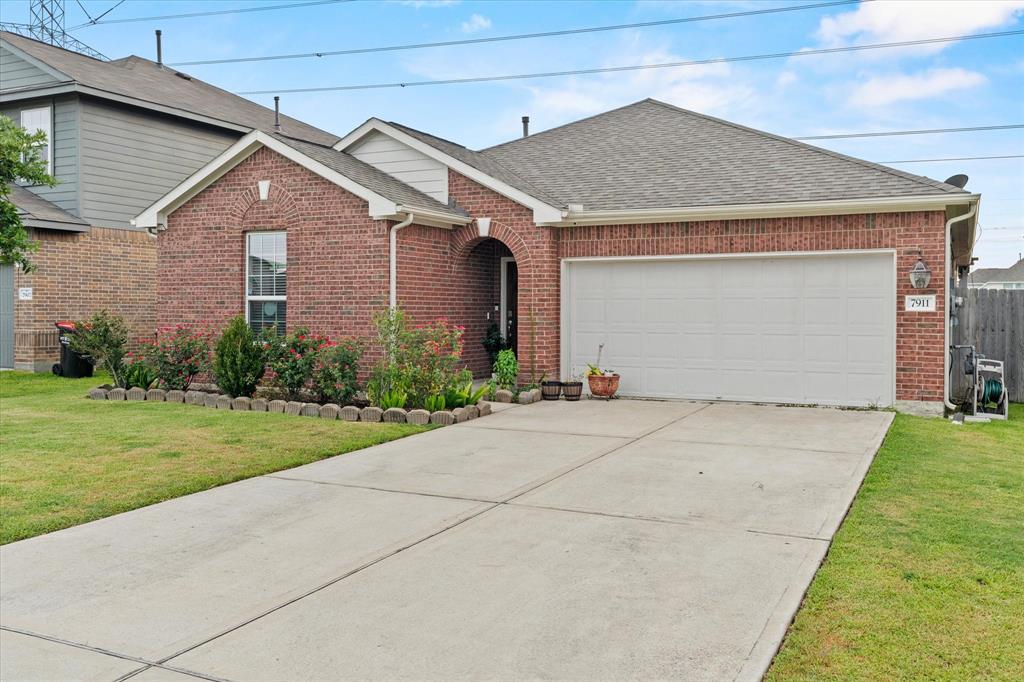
x,y
988,397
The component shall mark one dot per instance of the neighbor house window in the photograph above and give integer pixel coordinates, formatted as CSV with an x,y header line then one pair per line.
x,y
34,120
265,280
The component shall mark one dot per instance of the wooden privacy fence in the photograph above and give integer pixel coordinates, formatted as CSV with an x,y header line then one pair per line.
x,y
992,320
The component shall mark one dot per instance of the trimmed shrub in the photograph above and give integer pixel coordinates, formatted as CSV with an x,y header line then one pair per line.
x,y
239,361
506,370
336,370
177,355
103,339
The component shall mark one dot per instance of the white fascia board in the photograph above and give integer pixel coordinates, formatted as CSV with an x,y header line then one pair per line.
x,y
542,211
772,210
156,215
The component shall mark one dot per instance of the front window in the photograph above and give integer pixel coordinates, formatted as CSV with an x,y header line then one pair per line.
x,y
266,278
35,120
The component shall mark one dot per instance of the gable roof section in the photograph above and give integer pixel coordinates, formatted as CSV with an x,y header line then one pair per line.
x,y
651,154
37,212
464,161
387,197
143,83
1014,273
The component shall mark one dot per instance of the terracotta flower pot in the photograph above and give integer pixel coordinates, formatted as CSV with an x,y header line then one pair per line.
x,y
604,386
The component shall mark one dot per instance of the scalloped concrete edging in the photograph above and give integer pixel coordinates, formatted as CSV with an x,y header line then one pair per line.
x,y
350,413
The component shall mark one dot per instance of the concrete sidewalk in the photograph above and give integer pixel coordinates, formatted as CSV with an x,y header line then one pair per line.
x,y
596,540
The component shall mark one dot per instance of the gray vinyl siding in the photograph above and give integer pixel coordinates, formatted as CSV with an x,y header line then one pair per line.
x,y
64,147
15,72
130,158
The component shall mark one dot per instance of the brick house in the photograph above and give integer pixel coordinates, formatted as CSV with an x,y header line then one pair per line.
x,y
120,134
707,260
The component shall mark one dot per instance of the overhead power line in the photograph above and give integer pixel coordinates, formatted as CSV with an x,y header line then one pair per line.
x,y
887,133
190,15
959,158
520,36
635,67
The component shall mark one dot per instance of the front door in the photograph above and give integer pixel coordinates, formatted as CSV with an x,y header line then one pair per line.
x,y
510,302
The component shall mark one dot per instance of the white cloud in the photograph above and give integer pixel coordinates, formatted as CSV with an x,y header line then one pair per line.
x,y
785,79
883,90
706,88
902,20
475,23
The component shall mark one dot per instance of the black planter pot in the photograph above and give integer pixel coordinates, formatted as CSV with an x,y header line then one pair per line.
x,y
550,390
572,390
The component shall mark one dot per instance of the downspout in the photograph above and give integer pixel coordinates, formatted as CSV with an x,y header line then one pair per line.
x,y
393,236
946,274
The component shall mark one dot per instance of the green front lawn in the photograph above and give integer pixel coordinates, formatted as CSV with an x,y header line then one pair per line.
x,y
65,460
925,579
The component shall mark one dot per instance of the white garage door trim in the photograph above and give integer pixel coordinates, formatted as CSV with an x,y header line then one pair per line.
x,y
567,297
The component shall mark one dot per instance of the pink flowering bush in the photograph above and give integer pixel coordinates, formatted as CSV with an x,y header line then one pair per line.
x,y
336,371
176,356
310,364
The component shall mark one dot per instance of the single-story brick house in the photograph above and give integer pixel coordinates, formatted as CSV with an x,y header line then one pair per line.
x,y
710,260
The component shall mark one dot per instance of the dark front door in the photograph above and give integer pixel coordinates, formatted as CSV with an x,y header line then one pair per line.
x,y
511,304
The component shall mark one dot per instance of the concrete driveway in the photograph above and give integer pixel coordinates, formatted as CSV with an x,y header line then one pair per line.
x,y
590,540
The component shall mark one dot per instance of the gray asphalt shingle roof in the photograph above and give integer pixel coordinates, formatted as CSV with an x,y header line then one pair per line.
x,y
370,177
144,80
651,154
1014,273
38,212
654,155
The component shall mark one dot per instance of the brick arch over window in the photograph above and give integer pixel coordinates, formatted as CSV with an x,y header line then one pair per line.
x,y
278,212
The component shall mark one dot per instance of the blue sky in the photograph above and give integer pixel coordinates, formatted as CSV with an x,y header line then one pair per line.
x,y
966,83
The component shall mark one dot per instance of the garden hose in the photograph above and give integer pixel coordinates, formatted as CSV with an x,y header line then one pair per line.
x,y
991,391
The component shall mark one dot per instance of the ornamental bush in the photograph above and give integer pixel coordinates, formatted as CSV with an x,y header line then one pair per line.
x,y
294,361
506,369
177,355
240,359
422,363
103,339
336,370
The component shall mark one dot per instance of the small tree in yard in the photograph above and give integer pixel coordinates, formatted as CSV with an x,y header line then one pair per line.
x,y
19,160
239,360
103,339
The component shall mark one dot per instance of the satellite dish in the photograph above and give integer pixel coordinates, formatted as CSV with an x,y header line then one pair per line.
x,y
958,180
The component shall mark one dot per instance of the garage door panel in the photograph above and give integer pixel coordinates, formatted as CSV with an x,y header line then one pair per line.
x,y
815,329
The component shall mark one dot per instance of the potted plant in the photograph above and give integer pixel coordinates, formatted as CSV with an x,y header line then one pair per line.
x,y
573,388
550,390
493,343
603,382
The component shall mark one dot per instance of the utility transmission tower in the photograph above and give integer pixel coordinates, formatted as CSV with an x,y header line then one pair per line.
x,y
47,25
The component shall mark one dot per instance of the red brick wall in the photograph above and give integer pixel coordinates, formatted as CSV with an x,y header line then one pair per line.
x,y
76,275
536,252
337,256
338,261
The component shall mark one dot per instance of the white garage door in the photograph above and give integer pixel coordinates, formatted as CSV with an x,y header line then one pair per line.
x,y
794,329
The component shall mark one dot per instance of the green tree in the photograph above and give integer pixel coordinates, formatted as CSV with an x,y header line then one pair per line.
x,y
19,160
239,360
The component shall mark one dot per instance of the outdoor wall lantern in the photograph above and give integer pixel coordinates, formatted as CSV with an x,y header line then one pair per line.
x,y
920,275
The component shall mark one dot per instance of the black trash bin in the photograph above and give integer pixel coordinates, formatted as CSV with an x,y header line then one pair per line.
x,y
71,365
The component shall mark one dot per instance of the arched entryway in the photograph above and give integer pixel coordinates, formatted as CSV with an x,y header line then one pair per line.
x,y
488,276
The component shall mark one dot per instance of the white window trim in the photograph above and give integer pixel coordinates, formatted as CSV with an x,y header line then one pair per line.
x,y
48,130
248,273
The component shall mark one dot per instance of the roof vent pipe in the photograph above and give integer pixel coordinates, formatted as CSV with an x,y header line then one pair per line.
x,y
159,48
526,126
277,113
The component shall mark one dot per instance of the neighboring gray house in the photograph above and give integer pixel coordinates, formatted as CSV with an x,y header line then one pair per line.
x,y
998,278
121,134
